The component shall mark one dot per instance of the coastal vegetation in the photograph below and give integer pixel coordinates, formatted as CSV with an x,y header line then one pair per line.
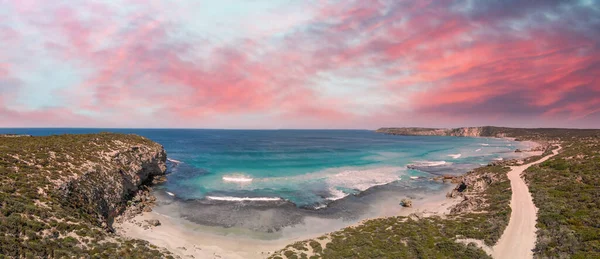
x,y
483,215
59,194
565,188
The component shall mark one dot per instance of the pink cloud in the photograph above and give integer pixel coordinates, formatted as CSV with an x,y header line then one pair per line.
x,y
436,62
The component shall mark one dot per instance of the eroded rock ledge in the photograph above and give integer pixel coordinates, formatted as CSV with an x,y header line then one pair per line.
x,y
105,186
59,195
486,131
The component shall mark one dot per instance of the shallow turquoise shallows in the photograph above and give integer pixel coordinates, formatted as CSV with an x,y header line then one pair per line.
x,y
307,167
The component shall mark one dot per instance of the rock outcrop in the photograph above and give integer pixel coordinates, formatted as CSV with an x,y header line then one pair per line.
x,y
406,203
60,194
470,188
456,132
13,135
105,186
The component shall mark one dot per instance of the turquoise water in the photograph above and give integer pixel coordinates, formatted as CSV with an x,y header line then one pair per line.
x,y
309,168
313,168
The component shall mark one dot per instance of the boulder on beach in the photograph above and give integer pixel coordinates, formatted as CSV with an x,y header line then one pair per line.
x,y
406,203
153,222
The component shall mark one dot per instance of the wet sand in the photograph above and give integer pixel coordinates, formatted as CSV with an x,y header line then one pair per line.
x,y
186,238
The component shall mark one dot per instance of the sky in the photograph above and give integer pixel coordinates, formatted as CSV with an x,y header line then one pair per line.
x,y
272,64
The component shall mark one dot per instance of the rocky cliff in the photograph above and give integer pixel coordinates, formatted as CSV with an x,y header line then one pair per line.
x,y
104,186
456,132
60,194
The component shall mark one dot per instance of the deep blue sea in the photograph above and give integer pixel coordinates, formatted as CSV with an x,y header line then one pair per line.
x,y
309,168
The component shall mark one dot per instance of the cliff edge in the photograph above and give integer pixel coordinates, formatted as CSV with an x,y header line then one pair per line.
x,y
60,194
486,131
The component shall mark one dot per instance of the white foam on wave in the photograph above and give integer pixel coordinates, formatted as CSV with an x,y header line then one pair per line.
x,y
231,198
174,161
336,194
334,180
484,144
455,156
360,180
237,179
170,193
320,206
364,179
429,163
414,177
479,149
499,159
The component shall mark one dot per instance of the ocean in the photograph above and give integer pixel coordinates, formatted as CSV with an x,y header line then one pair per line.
x,y
235,171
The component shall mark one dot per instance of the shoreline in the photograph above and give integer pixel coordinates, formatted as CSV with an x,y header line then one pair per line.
x,y
184,238
191,240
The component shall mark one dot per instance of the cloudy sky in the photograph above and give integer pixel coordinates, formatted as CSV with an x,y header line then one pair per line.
x,y
299,64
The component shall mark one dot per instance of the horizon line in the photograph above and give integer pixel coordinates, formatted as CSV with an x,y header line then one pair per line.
x,y
275,129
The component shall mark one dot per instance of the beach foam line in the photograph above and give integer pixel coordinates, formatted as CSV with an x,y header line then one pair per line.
x,y
428,163
170,193
455,156
239,179
484,144
230,198
361,180
320,206
414,177
336,194
479,149
174,161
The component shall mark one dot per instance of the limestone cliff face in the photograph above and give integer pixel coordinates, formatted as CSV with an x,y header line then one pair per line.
x,y
104,186
456,132
59,194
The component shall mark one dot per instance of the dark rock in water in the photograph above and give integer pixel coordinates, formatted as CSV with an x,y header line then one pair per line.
x,y
518,151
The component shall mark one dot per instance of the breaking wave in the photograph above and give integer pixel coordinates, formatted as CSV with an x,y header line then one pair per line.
x,y
455,156
174,161
230,198
238,179
427,164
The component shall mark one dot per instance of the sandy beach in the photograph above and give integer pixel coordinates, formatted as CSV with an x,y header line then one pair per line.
x,y
191,240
